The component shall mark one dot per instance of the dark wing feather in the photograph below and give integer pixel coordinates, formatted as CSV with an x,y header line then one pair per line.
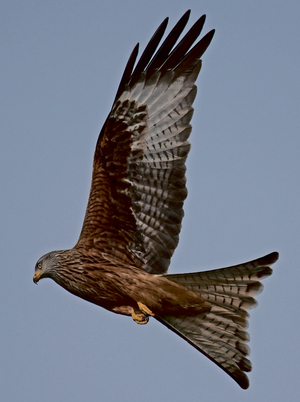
x,y
138,187
148,53
127,72
164,50
184,45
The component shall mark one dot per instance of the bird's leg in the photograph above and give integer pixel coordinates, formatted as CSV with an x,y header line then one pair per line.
x,y
144,309
141,316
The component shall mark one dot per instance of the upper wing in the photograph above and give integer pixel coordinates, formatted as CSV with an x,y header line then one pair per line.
x,y
134,211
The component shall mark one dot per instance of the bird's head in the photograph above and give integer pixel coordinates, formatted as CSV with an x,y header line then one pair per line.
x,y
46,266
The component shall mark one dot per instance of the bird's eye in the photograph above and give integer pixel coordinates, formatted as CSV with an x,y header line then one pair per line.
x,y
39,265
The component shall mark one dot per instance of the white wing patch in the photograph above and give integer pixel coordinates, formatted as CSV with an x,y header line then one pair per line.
x,y
156,165
151,115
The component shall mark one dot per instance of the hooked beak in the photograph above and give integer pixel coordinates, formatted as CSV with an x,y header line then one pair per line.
x,y
37,276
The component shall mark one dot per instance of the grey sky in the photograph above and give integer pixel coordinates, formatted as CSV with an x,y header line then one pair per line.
x,y
61,62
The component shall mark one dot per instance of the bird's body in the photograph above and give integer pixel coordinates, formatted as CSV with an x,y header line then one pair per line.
x,y
135,208
119,287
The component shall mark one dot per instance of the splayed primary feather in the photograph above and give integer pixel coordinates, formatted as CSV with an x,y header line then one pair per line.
x,y
135,209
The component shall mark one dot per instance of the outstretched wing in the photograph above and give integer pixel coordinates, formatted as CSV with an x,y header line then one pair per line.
x,y
134,211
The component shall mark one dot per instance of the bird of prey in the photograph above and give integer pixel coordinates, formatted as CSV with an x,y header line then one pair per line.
x,y
135,209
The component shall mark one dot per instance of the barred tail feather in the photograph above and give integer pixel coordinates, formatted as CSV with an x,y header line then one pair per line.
x,y
220,334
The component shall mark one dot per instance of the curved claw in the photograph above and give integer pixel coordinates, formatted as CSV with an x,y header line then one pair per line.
x,y
139,317
144,309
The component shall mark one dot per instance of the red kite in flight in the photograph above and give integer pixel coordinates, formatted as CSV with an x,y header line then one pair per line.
x,y
135,208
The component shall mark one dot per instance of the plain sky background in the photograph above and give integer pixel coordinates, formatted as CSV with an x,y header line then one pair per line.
x,y
61,62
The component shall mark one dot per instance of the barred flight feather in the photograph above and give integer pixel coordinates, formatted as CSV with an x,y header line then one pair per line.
x,y
220,334
135,209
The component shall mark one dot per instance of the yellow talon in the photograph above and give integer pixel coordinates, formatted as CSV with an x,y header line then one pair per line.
x,y
144,309
139,317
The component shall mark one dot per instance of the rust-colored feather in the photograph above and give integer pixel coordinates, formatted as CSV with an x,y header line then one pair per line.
x,y
138,187
135,208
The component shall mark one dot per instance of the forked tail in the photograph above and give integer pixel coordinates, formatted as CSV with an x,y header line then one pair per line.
x,y
220,334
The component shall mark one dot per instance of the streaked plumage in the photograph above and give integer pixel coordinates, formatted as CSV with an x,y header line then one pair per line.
x,y
135,208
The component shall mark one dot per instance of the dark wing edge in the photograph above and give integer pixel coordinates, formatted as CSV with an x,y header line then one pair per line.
x,y
138,188
221,334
